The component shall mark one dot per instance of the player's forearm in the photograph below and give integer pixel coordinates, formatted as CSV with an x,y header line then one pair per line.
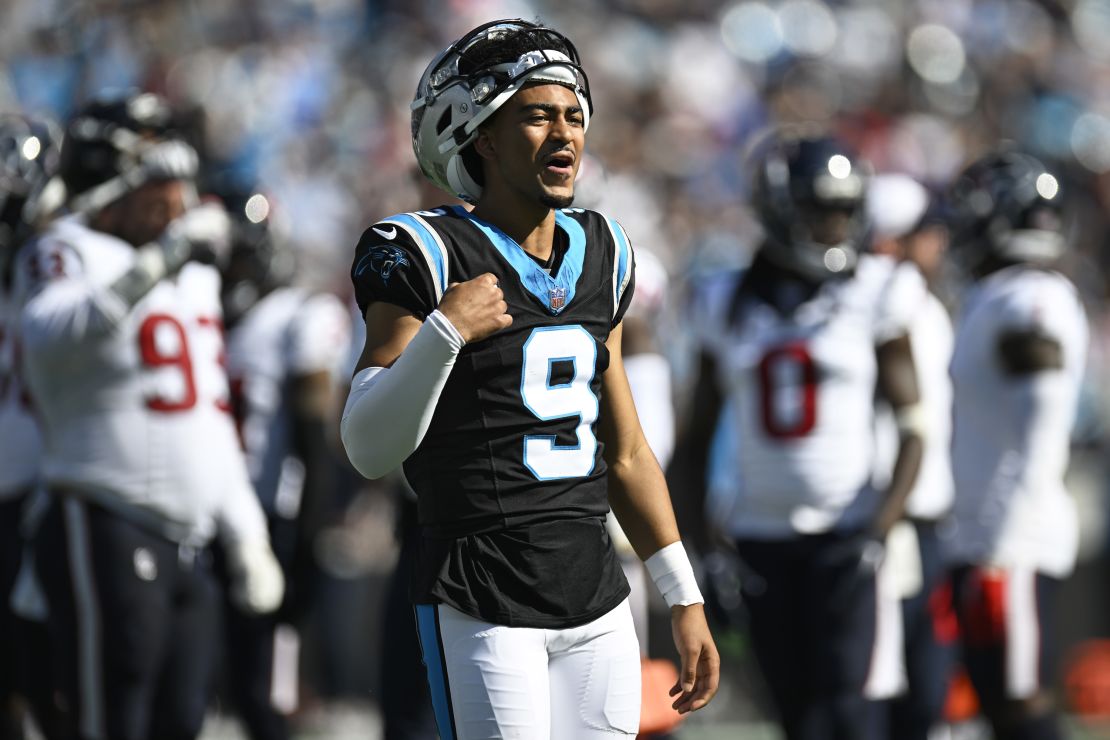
x,y
639,499
388,411
903,477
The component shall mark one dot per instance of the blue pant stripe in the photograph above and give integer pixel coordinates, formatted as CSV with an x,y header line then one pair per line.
x,y
427,622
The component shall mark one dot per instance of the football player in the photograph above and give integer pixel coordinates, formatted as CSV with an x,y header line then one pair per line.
x,y
493,371
284,347
1021,344
29,191
122,353
908,224
794,350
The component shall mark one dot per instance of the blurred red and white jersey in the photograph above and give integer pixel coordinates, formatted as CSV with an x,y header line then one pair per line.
x,y
134,403
931,341
801,394
290,332
1011,435
649,373
20,442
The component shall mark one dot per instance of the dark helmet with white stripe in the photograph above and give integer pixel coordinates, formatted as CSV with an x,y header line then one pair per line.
x,y
29,189
1006,207
809,192
113,145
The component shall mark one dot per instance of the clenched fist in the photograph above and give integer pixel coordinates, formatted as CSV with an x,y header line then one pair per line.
x,y
476,308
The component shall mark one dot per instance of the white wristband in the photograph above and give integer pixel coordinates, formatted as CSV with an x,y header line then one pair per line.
x,y
673,575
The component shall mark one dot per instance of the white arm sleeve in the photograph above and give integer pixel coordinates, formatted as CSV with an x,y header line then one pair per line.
x,y
388,410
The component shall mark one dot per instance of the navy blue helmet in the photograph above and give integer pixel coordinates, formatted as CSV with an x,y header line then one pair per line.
x,y
115,144
28,163
809,192
260,259
1006,207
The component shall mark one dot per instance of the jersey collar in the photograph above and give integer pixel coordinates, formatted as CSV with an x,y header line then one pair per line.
x,y
553,292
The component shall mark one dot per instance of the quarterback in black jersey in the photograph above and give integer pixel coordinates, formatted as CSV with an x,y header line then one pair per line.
x,y
492,370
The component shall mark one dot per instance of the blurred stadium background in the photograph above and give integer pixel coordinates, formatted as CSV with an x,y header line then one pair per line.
x,y
309,99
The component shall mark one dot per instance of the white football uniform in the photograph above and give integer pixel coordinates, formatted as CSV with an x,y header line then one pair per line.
x,y
931,340
290,332
1011,436
20,441
133,401
800,391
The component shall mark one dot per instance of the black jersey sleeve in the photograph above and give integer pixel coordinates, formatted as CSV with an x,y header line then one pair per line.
x,y
392,264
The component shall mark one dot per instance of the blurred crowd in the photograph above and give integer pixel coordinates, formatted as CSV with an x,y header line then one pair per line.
x,y
309,97
308,100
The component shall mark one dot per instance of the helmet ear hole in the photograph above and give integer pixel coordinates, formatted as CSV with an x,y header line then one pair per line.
x,y
443,122
472,165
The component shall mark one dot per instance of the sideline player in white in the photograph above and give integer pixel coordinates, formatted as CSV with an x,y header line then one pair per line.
x,y
1021,345
285,345
29,192
122,353
494,350
794,349
907,224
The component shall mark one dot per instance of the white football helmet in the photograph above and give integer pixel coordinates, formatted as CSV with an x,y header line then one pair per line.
x,y
468,81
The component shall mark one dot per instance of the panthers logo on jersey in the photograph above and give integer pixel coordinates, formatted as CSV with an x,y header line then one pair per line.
x,y
383,260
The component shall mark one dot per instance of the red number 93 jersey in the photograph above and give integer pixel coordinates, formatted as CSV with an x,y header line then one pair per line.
x,y
134,401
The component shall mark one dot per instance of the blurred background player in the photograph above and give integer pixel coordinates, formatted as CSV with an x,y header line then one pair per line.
x,y
285,344
1021,344
795,349
29,192
122,353
907,223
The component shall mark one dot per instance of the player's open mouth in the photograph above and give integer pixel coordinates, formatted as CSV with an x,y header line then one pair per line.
x,y
560,163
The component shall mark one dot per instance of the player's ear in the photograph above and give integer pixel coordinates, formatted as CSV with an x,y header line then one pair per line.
x,y
484,144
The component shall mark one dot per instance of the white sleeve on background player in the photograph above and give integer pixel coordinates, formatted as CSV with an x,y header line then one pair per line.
x,y
319,336
901,300
62,306
388,410
649,377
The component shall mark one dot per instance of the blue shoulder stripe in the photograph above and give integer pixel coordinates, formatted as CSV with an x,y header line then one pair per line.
x,y
622,261
430,244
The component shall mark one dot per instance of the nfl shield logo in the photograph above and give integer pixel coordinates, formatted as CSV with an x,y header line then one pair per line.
x,y
558,298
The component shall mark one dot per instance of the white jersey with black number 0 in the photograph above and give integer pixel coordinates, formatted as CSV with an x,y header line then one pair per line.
x,y
1011,435
800,392
134,402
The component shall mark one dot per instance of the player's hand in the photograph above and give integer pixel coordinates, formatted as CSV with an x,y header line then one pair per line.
x,y
257,583
476,308
700,672
202,233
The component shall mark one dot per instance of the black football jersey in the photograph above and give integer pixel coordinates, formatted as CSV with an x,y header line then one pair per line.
x,y
510,477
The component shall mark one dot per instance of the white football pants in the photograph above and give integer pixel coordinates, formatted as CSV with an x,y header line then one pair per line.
x,y
490,682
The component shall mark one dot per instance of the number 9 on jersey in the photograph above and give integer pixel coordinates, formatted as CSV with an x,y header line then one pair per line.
x,y
550,401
